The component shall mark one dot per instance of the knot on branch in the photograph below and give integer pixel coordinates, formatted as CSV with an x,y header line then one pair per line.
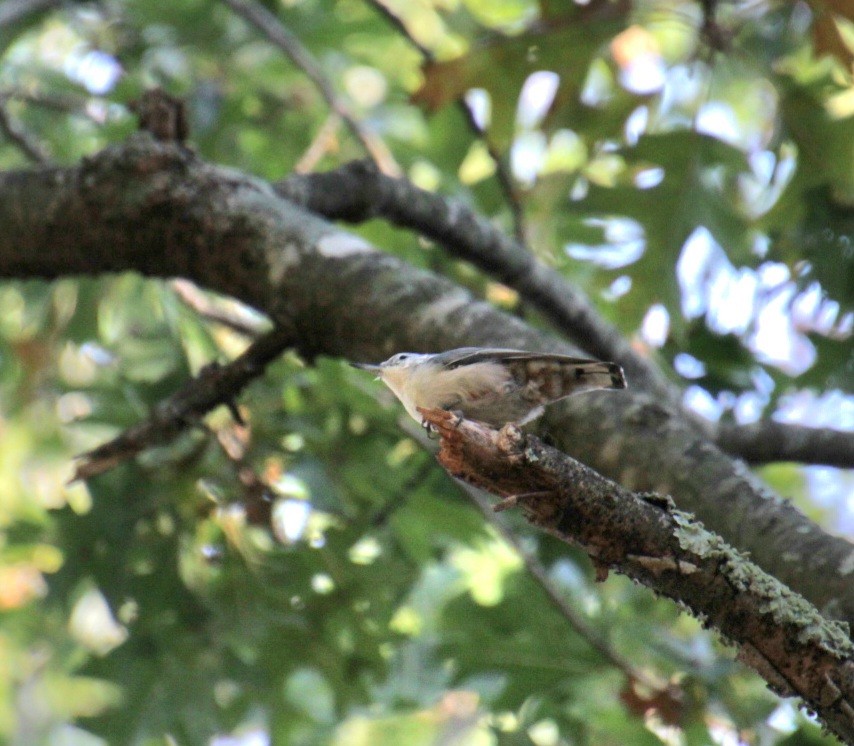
x,y
162,115
138,168
512,441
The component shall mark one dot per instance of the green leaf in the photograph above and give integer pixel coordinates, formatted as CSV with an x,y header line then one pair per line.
x,y
502,65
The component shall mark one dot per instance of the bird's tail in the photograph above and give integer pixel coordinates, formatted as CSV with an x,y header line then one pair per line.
x,y
550,378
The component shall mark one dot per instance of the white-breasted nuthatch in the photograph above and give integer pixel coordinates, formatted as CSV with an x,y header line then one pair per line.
x,y
493,386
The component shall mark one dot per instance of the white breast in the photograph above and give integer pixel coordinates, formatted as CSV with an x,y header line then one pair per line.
x,y
433,387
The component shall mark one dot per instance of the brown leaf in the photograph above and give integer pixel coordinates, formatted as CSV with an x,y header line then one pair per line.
x,y
668,703
827,37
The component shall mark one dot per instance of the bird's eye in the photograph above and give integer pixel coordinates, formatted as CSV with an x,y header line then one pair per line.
x,y
400,358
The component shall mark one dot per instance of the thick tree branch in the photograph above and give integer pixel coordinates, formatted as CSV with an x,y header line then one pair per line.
x,y
156,208
768,440
643,536
278,34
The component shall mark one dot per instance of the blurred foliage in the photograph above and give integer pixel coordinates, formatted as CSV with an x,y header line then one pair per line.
x,y
311,577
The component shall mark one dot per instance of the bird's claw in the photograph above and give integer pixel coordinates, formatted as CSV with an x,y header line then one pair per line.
x,y
430,429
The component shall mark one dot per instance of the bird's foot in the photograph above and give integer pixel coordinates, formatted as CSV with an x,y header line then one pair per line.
x,y
430,430
458,413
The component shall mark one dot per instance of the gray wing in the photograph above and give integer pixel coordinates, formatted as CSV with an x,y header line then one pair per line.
x,y
577,374
470,355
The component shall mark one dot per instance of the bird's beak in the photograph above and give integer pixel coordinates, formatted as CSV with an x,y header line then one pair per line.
x,y
366,366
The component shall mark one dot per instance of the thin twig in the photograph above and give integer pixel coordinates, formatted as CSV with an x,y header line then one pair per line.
x,y
321,144
26,143
257,493
395,20
502,173
279,35
194,298
12,11
65,103
398,498
214,385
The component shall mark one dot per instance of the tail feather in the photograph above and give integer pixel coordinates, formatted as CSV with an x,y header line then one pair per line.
x,y
580,377
546,380
605,375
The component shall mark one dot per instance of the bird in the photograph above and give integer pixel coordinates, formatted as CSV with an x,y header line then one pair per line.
x,y
491,385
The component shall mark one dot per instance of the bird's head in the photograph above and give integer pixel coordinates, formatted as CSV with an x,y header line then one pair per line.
x,y
398,363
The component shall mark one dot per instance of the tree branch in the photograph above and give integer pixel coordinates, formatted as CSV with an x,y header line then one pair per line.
x,y
576,621
536,570
158,209
61,102
279,35
13,11
357,192
768,440
214,385
324,141
397,23
644,537
194,298
17,135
